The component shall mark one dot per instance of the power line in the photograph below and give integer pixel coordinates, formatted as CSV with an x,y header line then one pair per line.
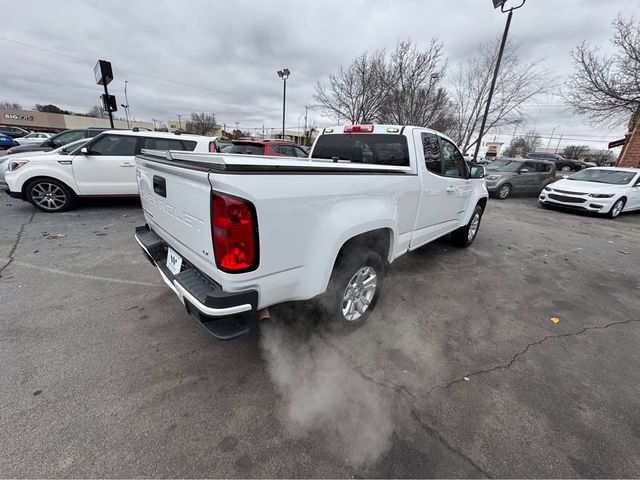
x,y
92,62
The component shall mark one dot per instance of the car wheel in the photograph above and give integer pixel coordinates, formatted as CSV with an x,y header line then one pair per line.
x,y
464,236
49,195
504,191
566,169
354,288
617,207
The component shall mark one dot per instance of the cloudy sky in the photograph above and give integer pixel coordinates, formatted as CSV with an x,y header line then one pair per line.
x,y
222,57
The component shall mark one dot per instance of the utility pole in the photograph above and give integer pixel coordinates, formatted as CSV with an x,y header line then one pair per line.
x,y
306,109
180,121
126,105
558,146
552,132
496,4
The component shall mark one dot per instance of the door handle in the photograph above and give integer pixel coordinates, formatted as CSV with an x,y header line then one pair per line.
x,y
127,164
450,189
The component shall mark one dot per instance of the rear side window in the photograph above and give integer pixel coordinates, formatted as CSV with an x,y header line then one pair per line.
x,y
162,144
247,149
380,149
431,148
545,167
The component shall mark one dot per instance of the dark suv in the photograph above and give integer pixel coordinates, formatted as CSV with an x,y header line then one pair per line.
x,y
13,132
562,164
504,176
58,140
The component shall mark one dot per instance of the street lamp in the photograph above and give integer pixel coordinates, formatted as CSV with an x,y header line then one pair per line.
x,y
496,4
284,74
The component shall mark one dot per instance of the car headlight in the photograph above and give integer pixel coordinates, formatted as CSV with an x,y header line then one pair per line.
x,y
16,164
601,195
548,189
493,177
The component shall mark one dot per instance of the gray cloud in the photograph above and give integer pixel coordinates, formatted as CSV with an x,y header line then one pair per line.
x,y
229,52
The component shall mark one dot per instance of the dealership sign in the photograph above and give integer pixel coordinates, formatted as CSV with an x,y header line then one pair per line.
x,y
14,116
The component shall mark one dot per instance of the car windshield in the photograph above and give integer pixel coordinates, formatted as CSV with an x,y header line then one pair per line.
x,y
70,147
504,165
596,175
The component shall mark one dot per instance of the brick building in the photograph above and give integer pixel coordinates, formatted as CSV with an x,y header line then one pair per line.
x,y
630,155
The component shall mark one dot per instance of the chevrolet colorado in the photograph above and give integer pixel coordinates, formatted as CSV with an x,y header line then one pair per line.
x,y
232,235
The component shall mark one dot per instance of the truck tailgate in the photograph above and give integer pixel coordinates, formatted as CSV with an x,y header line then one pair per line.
x,y
176,202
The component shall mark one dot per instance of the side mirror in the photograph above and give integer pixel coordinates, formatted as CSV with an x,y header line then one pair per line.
x,y
565,176
477,171
84,151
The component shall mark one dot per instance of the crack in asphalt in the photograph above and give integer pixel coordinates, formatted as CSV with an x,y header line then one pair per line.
x,y
506,366
438,436
16,242
413,399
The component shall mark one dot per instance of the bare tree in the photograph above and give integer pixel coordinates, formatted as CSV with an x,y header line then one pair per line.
x,y
412,93
49,108
10,106
520,146
98,111
575,151
517,84
355,94
201,123
607,88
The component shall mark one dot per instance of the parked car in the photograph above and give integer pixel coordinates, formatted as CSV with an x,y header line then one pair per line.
x,y
59,140
67,149
13,132
505,176
235,234
269,148
605,190
7,142
33,138
562,164
104,167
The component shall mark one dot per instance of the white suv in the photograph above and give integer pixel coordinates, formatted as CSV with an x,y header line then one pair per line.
x,y
104,167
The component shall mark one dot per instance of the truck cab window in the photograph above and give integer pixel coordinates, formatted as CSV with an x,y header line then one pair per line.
x,y
452,160
431,148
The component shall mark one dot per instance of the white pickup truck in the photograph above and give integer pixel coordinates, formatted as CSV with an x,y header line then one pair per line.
x,y
232,235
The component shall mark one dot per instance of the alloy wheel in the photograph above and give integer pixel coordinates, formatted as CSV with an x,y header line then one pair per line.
x,y
359,293
48,196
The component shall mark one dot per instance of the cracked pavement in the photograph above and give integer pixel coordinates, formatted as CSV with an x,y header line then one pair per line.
x,y
102,374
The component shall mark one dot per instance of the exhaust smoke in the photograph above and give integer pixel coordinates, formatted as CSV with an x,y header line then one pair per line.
x,y
322,396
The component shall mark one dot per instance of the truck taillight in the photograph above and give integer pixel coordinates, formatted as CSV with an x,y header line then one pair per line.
x,y
358,129
212,147
234,230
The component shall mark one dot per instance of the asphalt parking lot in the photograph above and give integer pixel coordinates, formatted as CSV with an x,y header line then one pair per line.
x,y
460,372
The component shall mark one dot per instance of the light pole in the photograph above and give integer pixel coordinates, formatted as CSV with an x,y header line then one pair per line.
x,y
180,121
552,132
496,4
154,124
284,74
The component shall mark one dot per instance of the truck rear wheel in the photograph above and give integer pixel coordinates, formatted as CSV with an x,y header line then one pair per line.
x,y
354,287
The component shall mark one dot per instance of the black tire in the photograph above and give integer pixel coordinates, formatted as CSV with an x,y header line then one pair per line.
x,y
464,236
49,195
504,191
616,208
351,262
